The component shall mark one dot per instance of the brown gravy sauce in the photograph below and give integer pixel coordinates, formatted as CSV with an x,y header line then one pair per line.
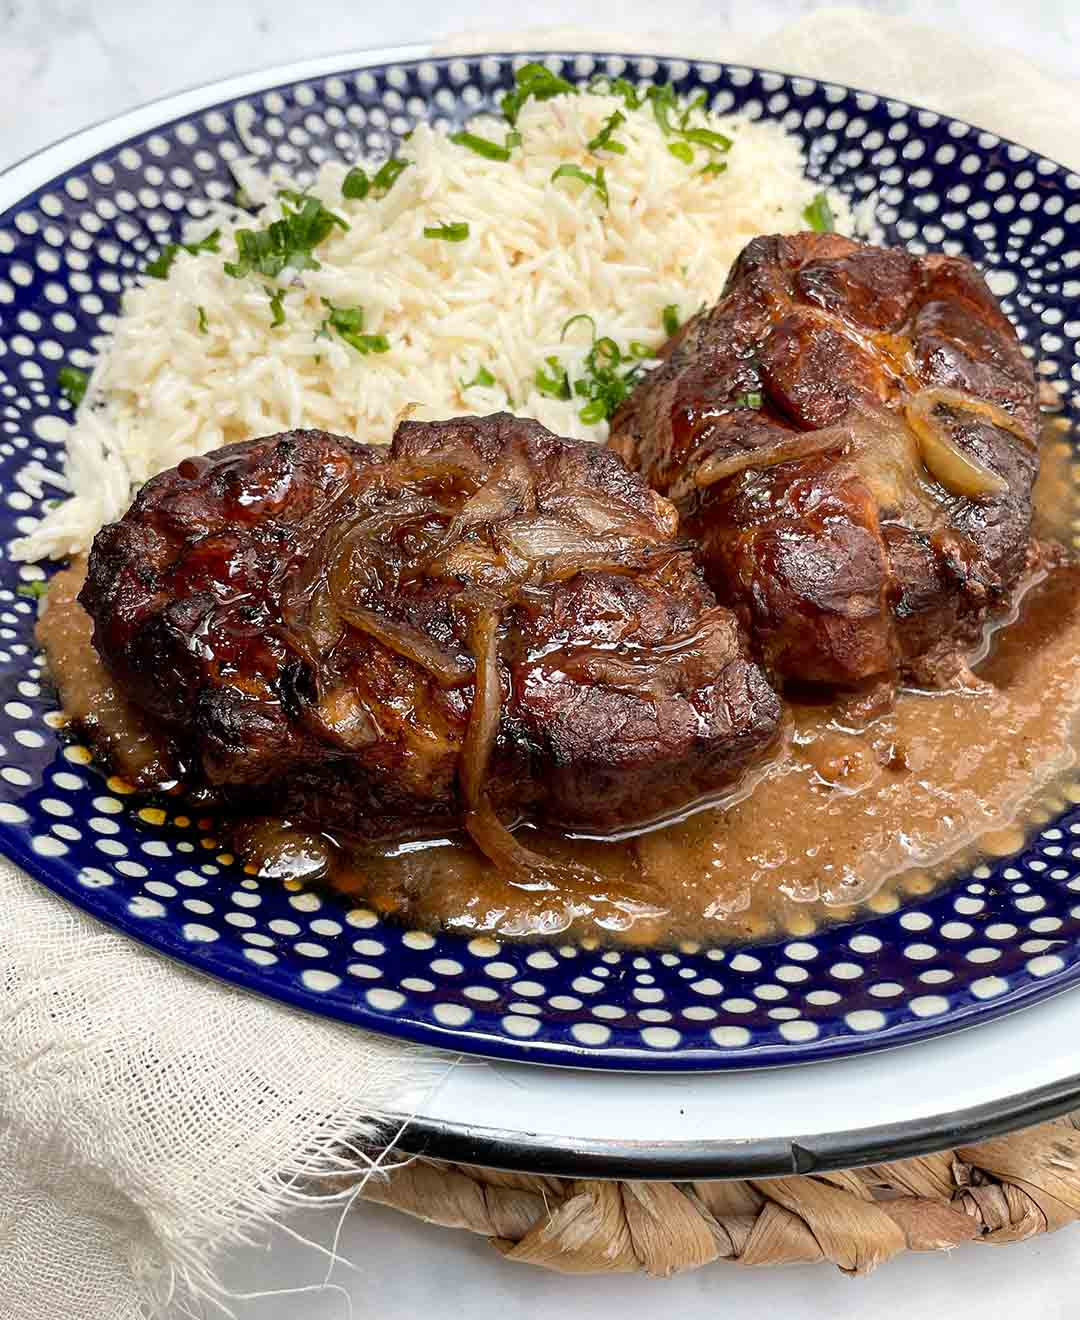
x,y
851,814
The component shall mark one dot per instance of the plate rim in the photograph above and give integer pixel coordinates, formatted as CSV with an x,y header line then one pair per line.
x,y
29,173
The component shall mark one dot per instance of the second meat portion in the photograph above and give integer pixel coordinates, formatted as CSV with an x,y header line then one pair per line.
x,y
851,437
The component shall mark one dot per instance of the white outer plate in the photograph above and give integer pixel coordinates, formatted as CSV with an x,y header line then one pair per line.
x,y
1019,1069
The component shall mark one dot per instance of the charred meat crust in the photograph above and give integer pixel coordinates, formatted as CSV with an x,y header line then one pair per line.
x,y
302,614
854,563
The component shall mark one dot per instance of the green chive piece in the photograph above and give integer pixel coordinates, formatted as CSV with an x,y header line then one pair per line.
x,y
682,151
750,400
818,215
388,174
356,185
457,232
204,325
348,322
581,316
705,137
159,268
535,81
482,146
555,385
715,167
603,141
663,101
671,319
73,383
290,241
35,590
277,305
597,180
483,377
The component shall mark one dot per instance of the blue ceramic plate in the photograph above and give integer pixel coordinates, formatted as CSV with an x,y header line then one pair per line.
x,y
1001,937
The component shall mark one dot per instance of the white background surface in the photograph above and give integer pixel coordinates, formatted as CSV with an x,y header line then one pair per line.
x,y
66,63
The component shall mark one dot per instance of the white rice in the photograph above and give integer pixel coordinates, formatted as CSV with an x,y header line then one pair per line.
x,y
538,252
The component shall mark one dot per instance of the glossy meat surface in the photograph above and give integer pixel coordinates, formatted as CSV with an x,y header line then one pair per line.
x,y
851,437
481,623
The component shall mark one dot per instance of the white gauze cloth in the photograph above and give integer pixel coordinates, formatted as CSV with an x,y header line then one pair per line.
x,y
150,1117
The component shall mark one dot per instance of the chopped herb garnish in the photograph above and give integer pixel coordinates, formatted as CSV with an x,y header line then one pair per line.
x,y
457,232
603,85
604,141
581,316
242,201
162,263
705,137
663,101
671,319
750,400
483,377
604,385
277,305
356,185
204,325
513,139
597,180
715,167
290,241
388,174
73,383
35,590
682,151
818,215
349,324
640,350
700,102
536,81
557,384
484,146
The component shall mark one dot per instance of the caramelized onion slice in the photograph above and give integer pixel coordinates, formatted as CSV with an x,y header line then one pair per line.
x,y
958,471
939,396
410,643
794,445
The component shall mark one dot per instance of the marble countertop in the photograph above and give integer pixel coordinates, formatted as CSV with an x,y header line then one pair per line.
x,y
67,63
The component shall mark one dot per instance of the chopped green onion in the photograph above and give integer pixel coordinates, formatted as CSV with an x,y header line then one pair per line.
x,y
663,101
715,167
513,139
581,316
557,384
682,151
73,383
241,200
671,319
159,268
705,137
607,349
356,185
603,140
388,174
536,81
603,85
593,412
204,325
640,350
349,323
750,400
483,377
457,232
818,215
597,181
481,145
290,241
35,590
700,102
277,305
